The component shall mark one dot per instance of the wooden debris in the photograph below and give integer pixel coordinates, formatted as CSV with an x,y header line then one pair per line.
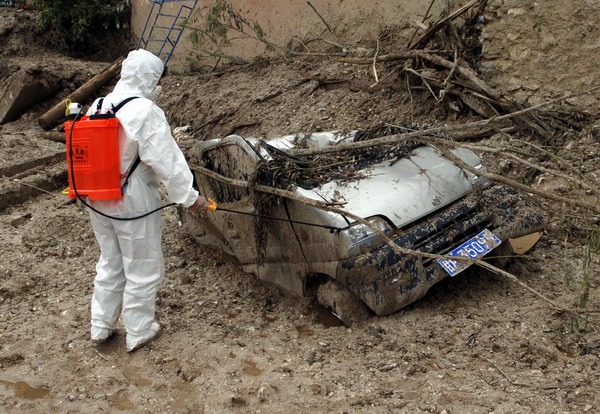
x,y
53,136
320,17
424,39
23,90
82,94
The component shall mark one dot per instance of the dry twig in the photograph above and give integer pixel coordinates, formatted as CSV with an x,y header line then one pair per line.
x,y
392,139
422,41
320,17
521,384
374,67
515,184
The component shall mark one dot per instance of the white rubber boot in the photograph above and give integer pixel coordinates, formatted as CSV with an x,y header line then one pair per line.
x,y
101,335
135,342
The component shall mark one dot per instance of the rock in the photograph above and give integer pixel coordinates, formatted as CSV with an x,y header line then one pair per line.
x,y
513,85
548,39
515,12
264,391
22,91
238,402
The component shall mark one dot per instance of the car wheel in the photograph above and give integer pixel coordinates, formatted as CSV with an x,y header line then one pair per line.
x,y
345,305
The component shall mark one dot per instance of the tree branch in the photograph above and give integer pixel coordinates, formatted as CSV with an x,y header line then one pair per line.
x,y
390,242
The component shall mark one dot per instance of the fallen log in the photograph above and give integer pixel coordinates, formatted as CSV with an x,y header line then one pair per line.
x,y
53,136
82,94
395,138
467,72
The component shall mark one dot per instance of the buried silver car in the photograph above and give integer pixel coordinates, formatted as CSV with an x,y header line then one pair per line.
x,y
419,199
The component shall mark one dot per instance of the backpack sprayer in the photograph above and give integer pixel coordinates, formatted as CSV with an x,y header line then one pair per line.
x,y
93,156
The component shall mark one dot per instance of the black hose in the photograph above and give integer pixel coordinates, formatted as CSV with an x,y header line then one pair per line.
x,y
331,228
83,201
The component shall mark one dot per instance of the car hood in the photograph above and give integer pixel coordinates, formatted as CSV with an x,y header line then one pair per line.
x,y
402,192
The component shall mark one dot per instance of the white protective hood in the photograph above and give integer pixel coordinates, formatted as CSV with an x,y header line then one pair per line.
x,y
140,73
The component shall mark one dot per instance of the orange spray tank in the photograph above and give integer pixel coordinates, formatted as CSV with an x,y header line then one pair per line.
x,y
93,155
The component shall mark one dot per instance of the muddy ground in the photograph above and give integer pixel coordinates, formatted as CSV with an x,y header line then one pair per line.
x,y
477,343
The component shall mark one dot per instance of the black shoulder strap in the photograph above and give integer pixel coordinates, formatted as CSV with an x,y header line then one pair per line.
x,y
137,160
99,105
123,102
114,108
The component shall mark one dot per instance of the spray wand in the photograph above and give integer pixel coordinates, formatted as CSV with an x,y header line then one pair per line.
x,y
213,207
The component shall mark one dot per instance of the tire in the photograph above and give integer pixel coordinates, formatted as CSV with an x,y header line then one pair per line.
x,y
345,305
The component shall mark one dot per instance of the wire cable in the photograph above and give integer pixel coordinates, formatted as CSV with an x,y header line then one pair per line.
x,y
77,117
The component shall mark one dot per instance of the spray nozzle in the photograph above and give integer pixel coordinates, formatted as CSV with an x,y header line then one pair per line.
x,y
73,108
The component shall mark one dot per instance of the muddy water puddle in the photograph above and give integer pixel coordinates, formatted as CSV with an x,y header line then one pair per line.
x,y
250,368
304,330
124,404
22,389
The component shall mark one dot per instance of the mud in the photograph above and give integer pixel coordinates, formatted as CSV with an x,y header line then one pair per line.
x,y
475,343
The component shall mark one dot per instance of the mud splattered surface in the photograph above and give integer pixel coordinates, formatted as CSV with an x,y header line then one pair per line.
x,y
477,343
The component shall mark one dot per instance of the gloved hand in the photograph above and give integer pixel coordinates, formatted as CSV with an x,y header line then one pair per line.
x,y
200,205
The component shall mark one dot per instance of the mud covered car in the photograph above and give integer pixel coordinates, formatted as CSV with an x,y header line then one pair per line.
x,y
413,194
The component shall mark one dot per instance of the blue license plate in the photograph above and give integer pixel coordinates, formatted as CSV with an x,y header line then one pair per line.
x,y
474,248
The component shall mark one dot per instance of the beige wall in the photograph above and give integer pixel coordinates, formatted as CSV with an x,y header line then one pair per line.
x,y
353,21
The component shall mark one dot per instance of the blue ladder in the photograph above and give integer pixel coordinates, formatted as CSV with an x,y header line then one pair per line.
x,y
161,36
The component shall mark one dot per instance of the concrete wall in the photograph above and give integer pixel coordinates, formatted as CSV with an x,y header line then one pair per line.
x,y
352,21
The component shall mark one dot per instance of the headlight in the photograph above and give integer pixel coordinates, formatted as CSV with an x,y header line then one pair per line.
x,y
478,180
359,237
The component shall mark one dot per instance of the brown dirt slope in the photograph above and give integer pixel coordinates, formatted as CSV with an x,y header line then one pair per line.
x,y
476,343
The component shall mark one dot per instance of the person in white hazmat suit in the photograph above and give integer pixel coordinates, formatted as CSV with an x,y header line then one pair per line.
x,y
131,266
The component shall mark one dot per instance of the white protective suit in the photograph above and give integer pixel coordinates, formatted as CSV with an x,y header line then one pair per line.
x,y
131,266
